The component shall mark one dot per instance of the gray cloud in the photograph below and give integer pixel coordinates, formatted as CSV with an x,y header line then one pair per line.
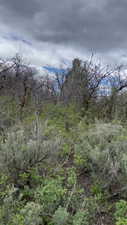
x,y
98,25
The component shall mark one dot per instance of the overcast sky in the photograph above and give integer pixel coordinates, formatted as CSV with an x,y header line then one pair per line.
x,y
55,31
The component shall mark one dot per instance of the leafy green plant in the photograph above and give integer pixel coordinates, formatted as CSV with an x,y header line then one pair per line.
x,y
29,215
32,214
60,216
51,194
81,217
121,213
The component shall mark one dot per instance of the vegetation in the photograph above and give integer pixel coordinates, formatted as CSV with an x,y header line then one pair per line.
x,y
63,146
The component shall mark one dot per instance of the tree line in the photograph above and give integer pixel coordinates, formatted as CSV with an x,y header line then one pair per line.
x,y
91,87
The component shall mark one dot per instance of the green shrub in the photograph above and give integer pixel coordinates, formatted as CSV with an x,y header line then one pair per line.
x,y
81,217
20,154
121,221
9,207
51,194
3,186
121,211
32,214
60,216
101,151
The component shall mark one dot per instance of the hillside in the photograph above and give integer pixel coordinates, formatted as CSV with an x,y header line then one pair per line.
x,y
63,147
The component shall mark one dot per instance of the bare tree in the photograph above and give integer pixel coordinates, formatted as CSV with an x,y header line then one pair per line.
x,y
117,83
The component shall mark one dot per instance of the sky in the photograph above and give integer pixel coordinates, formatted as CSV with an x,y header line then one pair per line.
x,y
53,32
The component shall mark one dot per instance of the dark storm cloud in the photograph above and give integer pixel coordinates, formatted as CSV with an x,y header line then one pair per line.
x,y
22,8
100,25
